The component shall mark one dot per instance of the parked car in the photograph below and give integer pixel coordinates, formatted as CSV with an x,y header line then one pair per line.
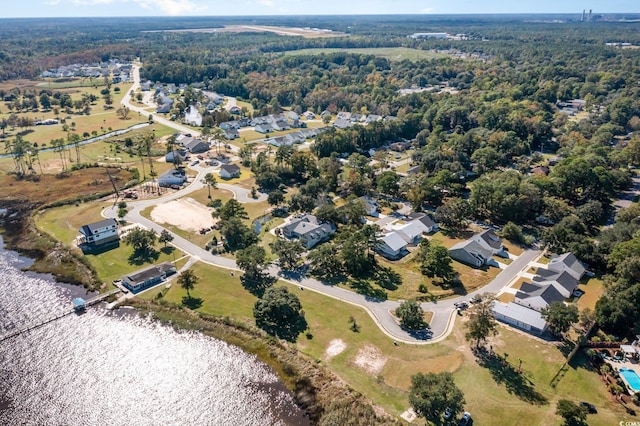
x,y
465,419
589,406
461,305
447,413
476,299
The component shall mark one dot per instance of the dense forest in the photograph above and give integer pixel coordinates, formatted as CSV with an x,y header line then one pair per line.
x,y
475,147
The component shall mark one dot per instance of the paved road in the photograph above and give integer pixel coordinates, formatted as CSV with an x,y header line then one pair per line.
x,y
444,312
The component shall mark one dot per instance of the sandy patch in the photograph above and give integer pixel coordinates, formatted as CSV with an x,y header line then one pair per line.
x,y
336,346
186,214
370,359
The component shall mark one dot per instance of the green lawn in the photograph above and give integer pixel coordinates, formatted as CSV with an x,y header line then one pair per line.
x,y
64,223
386,380
391,53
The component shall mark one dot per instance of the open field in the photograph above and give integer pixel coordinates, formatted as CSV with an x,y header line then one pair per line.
x,y
64,223
391,53
49,188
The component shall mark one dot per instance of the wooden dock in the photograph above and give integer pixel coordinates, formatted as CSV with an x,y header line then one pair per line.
x,y
55,316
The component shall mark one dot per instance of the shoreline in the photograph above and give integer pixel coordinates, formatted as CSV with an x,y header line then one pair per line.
x,y
318,391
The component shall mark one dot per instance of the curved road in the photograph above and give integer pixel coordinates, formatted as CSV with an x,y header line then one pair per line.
x,y
444,312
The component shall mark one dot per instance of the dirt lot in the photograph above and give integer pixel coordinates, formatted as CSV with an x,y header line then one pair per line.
x,y
186,214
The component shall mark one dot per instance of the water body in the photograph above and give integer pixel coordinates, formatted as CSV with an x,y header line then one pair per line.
x,y
115,368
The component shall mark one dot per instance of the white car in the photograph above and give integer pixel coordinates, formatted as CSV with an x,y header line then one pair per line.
x,y
465,419
447,413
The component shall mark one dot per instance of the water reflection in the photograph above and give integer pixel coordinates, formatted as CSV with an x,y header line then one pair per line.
x,y
101,368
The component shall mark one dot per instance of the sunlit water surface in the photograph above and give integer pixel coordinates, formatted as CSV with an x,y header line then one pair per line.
x,y
107,368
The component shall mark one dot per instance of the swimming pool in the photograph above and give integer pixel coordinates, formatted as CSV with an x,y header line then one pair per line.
x,y
632,378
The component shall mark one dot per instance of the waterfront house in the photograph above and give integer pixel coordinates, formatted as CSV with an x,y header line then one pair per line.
x,y
148,277
100,233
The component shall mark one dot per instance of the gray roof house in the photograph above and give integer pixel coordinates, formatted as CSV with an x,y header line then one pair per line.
x,y
99,233
564,282
229,171
472,253
281,124
537,297
231,134
492,242
370,205
392,246
342,123
195,146
148,277
520,316
568,262
308,230
426,219
264,128
163,109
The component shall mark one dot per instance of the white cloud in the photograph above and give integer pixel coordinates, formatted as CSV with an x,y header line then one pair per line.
x,y
171,7
52,2
91,2
266,2
427,10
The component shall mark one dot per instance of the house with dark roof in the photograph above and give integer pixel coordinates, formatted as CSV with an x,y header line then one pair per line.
x,y
175,156
230,171
472,253
196,146
99,233
281,124
564,282
231,134
478,250
148,277
536,296
307,229
427,221
264,128
568,262
163,109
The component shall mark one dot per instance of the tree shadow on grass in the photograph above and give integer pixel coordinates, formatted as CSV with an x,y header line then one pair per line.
x,y
167,249
289,331
258,284
192,302
386,278
515,382
363,286
140,257
565,347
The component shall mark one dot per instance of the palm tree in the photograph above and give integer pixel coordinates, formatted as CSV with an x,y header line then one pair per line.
x,y
188,280
217,134
210,180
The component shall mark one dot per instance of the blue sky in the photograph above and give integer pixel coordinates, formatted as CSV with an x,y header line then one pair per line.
x,y
70,8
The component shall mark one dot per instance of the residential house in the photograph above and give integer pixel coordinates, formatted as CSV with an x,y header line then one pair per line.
x,y
344,115
568,262
309,115
229,125
372,117
472,253
231,134
148,277
520,316
324,114
492,242
99,233
230,171
281,124
196,146
175,156
264,128
146,86
370,206
358,118
341,123
564,282
427,221
235,110
163,109
172,177
392,246
307,229
536,296
192,116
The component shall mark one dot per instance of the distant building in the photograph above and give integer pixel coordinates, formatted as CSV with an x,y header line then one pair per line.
x,y
148,277
521,317
172,177
428,35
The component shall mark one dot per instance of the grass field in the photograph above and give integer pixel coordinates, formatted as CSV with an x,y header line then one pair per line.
x,y
490,395
391,53
64,223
